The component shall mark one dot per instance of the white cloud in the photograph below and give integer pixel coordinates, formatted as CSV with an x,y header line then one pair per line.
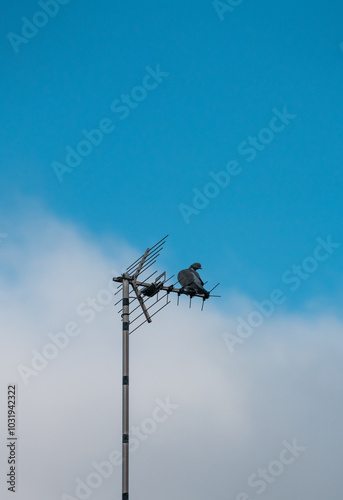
x,y
235,410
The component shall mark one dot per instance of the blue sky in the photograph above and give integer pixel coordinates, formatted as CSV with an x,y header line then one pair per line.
x,y
225,78
126,121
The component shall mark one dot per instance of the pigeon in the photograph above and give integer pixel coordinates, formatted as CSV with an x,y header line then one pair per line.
x,y
190,280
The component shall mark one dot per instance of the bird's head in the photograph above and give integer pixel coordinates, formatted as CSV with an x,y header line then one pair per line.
x,y
196,266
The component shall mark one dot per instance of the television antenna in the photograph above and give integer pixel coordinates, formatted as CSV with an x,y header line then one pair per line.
x,y
135,288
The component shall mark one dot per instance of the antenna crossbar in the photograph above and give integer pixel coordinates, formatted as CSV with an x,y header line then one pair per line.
x,y
169,289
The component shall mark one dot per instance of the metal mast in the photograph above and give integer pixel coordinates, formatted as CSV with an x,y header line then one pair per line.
x,y
125,403
143,292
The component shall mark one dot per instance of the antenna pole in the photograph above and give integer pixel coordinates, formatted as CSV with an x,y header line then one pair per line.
x,y
125,449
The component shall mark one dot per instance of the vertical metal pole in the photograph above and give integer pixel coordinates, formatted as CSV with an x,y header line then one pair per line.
x,y
125,449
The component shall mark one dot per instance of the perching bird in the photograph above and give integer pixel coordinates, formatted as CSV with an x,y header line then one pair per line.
x,y
190,280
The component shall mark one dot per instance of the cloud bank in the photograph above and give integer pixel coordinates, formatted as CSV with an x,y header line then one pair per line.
x,y
261,422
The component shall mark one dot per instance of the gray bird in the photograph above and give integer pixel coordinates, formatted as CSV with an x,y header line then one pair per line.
x,y
190,280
